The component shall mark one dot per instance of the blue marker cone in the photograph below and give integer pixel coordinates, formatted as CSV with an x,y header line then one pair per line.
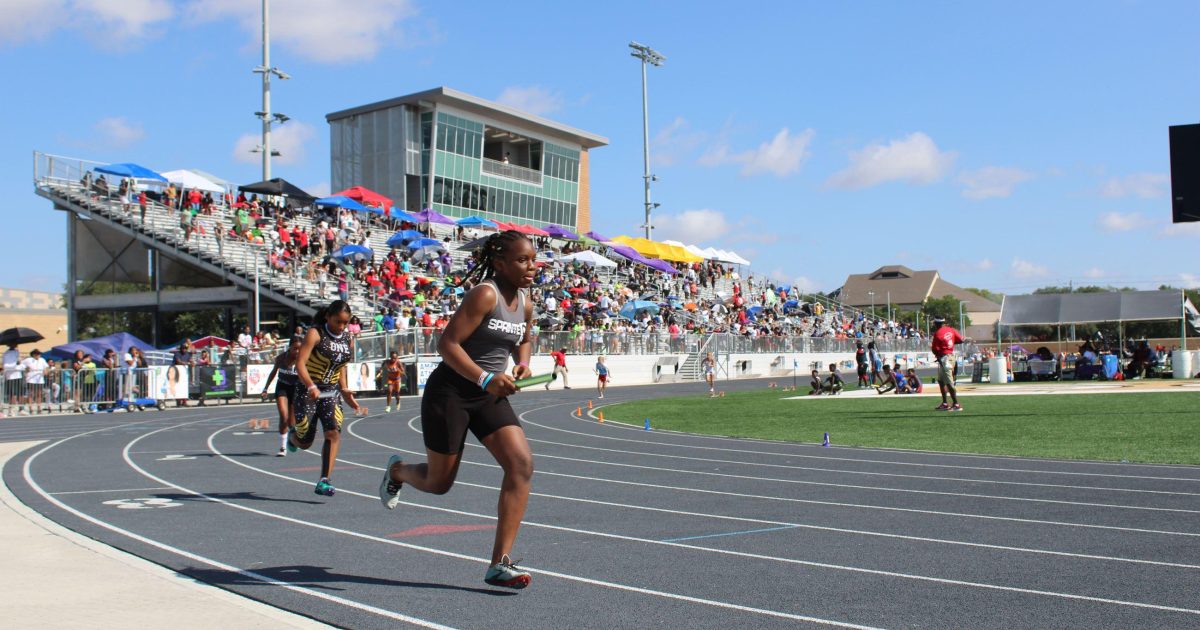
x,y
826,442
647,427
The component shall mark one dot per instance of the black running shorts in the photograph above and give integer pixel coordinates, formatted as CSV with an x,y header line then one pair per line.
x,y
451,405
285,389
862,369
327,411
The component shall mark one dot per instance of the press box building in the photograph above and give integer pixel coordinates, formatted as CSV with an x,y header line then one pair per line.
x,y
463,155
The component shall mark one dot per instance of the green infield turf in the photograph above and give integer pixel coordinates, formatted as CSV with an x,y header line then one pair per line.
x,y
1136,427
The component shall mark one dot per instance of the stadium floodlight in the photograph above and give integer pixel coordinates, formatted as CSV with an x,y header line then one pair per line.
x,y
647,55
281,118
262,115
283,76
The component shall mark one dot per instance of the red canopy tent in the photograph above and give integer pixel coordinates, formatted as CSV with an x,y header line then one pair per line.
x,y
210,340
504,226
529,229
366,196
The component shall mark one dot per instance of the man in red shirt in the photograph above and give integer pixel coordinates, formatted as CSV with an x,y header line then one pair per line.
x,y
560,366
944,338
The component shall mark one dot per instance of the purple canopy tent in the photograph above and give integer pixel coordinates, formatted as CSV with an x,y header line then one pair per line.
x,y
631,254
598,237
560,232
429,215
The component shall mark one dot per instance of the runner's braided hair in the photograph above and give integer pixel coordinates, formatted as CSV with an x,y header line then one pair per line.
x,y
493,249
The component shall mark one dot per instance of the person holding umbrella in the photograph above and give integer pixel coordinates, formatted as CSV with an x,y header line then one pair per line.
x,y
12,377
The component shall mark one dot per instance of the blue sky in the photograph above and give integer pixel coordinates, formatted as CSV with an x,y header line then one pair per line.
x,y
1009,145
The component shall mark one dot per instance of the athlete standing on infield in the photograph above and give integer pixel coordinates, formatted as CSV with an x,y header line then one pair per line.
x,y
944,338
470,390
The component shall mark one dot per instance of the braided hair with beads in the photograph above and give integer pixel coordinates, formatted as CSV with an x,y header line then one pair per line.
x,y
493,249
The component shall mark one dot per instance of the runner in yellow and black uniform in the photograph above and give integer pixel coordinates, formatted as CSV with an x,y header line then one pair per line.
x,y
322,371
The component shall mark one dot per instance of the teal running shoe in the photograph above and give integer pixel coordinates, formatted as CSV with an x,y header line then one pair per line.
x,y
324,488
291,436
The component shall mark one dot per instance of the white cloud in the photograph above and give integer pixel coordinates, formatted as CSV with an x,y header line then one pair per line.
x,y
691,226
915,159
984,264
288,139
533,99
802,284
1180,229
320,189
116,131
324,31
1118,222
781,156
672,143
109,23
992,182
1095,273
1189,280
1144,185
1025,269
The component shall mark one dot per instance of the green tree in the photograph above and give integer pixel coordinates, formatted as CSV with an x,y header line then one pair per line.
x,y
945,307
989,295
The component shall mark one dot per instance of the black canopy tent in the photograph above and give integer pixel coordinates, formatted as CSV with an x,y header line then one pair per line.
x,y
281,188
1056,309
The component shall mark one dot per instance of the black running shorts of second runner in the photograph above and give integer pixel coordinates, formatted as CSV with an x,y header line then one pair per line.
x,y
452,405
310,412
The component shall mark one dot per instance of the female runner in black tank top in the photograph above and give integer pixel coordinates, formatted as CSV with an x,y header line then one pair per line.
x,y
461,395
285,391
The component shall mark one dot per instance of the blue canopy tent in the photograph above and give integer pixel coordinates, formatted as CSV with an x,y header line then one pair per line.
x,y
791,305
339,201
119,342
400,215
478,222
754,311
353,252
633,307
129,169
403,237
426,247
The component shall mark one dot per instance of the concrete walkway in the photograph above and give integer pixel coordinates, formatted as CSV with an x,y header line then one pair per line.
x,y
52,577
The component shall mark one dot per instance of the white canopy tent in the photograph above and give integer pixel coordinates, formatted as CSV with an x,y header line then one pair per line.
x,y
191,180
589,257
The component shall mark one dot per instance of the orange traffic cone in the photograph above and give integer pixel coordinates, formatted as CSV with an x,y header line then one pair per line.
x,y
589,404
579,411
601,417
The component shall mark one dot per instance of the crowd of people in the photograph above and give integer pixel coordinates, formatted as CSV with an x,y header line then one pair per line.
x,y
420,288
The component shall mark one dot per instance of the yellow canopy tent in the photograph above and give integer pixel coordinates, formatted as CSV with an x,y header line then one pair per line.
x,y
655,249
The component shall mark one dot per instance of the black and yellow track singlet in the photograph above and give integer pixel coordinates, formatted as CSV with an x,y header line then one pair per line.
x,y
327,359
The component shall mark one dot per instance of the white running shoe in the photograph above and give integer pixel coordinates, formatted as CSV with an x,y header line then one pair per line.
x,y
387,409
389,491
505,573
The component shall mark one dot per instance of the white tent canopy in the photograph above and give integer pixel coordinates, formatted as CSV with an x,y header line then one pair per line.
x,y
189,179
589,257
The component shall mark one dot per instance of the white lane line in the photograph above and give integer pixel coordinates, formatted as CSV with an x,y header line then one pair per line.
x,y
875,461
450,554
115,490
349,430
855,472
1009,519
858,487
741,554
880,449
198,558
787,525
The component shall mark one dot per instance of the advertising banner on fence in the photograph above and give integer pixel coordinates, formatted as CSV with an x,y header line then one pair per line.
x,y
217,381
256,378
360,377
424,369
170,382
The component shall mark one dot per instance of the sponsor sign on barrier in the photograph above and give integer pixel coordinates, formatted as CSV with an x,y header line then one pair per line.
x,y
217,381
256,378
360,377
424,369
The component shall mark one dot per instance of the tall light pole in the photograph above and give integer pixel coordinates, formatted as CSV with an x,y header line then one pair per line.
x,y
648,56
960,316
872,294
267,117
